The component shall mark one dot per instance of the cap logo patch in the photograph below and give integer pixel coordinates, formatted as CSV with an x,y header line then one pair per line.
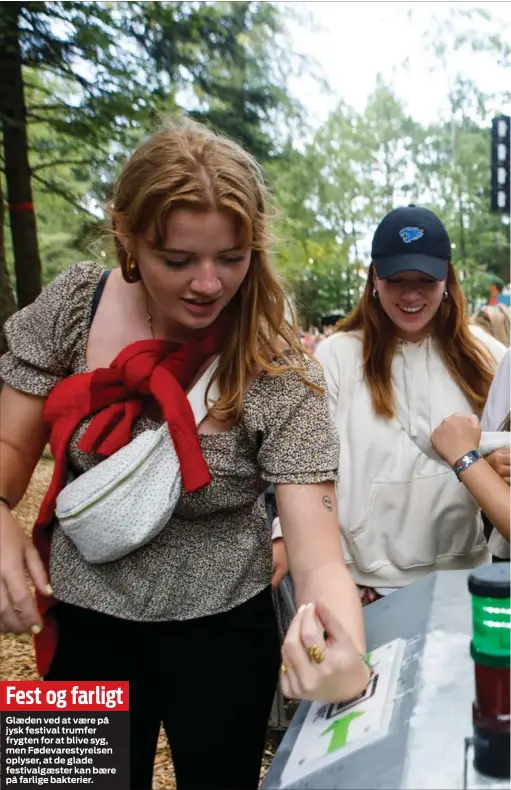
x,y
411,234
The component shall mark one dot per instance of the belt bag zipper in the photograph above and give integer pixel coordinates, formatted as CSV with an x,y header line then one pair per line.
x,y
120,482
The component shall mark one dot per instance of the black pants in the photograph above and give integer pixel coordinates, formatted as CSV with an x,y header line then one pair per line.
x,y
211,681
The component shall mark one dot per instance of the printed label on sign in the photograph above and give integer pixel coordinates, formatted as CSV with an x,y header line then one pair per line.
x,y
331,731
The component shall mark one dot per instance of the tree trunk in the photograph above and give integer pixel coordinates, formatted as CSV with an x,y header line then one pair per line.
x,y
357,268
7,301
27,263
461,226
389,187
348,273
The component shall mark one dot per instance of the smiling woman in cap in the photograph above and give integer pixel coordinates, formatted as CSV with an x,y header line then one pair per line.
x,y
411,252
400,363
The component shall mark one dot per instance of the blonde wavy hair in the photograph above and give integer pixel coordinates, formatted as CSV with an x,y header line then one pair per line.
x,y
467,361
494,319
186,164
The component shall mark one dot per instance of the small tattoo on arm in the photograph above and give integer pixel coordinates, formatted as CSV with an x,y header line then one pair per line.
x,y
328,503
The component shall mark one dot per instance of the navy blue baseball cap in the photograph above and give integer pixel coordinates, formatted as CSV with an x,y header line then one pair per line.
x,y
411,238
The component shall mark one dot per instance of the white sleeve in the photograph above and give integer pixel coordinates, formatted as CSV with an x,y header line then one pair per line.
x,y
276,529
495,347
498,404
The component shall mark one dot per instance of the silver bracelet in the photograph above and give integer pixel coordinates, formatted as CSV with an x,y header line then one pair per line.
x,y
465,461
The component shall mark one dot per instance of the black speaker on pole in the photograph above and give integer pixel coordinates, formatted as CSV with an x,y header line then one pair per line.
x,y
500,164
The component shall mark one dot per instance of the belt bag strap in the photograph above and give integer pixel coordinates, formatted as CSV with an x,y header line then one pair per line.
x,y
197,395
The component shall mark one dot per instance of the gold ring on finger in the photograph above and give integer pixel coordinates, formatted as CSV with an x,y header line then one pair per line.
x,y
285,667
316,654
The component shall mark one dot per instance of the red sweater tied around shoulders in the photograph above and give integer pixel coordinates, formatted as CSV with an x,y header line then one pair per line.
x,y
115,396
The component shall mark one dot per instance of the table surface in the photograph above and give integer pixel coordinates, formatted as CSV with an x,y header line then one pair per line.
x,y
433,712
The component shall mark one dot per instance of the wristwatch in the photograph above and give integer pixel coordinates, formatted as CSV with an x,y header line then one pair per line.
x,y
465,461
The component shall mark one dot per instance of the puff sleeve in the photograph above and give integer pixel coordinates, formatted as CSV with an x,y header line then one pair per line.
x,y
298,441
47,338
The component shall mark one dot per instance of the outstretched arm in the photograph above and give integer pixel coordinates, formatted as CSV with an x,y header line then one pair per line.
x,y
490,492
22,440
327,597
453,438
308,516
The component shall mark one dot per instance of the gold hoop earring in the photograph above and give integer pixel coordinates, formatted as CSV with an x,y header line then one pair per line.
x,y
132,270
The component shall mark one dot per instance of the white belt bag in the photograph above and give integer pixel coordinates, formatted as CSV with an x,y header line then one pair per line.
x,y
126,500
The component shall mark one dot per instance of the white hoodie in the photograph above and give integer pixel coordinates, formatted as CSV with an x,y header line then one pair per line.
x,y
402,511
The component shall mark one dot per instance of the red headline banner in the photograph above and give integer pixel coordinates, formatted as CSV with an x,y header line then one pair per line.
x,y
37,695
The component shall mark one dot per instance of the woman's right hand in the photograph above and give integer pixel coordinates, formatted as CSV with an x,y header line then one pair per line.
x,y
455,436
19,558
315,668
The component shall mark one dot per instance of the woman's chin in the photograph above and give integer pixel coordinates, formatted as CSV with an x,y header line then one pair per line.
x,y
413,328
195,322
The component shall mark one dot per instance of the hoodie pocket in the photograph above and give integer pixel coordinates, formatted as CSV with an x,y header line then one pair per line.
x,y
409,524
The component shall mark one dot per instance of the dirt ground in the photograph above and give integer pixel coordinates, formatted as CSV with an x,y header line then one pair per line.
x,y
16,652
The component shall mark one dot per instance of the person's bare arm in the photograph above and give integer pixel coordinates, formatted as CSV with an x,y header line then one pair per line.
x,y
457,435
490,492
323,584
22,441
308,516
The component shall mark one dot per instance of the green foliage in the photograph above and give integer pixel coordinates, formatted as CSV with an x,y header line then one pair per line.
x,y
226,59
361,165
99,75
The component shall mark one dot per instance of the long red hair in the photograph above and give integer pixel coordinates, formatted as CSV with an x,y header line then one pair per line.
x,y
187,164
469,363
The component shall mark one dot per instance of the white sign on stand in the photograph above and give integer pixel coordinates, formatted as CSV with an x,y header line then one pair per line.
x,y
333,730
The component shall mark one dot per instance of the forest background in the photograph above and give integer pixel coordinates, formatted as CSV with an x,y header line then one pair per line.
x,y
84,82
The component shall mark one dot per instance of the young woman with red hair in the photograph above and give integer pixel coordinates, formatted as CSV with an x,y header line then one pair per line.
x,y
401,362
187,615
